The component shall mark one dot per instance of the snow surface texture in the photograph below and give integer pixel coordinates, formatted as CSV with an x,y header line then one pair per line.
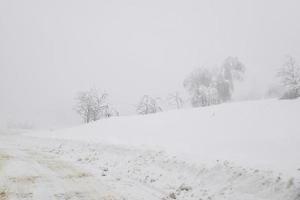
x,y
260,134
37,168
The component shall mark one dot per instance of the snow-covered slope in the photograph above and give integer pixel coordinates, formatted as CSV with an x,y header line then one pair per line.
x,y
264,134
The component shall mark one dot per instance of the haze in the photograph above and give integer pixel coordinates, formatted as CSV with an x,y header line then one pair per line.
x,y
50,50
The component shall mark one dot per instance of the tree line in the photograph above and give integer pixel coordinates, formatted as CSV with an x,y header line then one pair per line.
x,y
205,87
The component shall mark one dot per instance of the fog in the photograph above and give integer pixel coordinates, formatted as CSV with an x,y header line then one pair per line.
x,y
50,50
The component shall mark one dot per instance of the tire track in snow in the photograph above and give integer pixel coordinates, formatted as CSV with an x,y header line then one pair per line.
x,y
26,174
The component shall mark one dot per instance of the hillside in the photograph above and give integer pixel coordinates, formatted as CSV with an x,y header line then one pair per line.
x,y
264,134
236,151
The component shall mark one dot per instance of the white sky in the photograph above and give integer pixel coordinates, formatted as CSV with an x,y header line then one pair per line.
x,y
49,50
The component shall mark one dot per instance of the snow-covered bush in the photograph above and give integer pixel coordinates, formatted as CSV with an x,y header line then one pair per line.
x,y
148,105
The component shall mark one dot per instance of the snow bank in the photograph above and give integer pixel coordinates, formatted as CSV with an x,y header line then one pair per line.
x,y
264,134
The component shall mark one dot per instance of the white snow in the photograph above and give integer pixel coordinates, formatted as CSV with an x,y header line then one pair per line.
x,y
264,134
236,151
33,168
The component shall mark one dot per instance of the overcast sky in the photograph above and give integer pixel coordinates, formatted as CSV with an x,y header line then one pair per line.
x,y
51,49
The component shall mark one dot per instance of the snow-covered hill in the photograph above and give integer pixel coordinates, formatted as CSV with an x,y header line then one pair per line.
x,y
236,151
264,134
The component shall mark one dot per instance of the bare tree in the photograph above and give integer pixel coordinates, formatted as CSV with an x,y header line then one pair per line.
x,y
205,96
90,105
175,98
290,78
108,111
148,105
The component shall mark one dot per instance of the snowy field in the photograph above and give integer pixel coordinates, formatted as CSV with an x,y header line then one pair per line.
x,y
264,134
196,154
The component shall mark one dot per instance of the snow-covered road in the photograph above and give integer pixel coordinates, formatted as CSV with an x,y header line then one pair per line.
x,y
28,172
35,168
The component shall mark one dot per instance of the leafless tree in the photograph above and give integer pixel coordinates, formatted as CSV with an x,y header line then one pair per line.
x,y
148,105
289,74
108,111
176,99
205,96
90,105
